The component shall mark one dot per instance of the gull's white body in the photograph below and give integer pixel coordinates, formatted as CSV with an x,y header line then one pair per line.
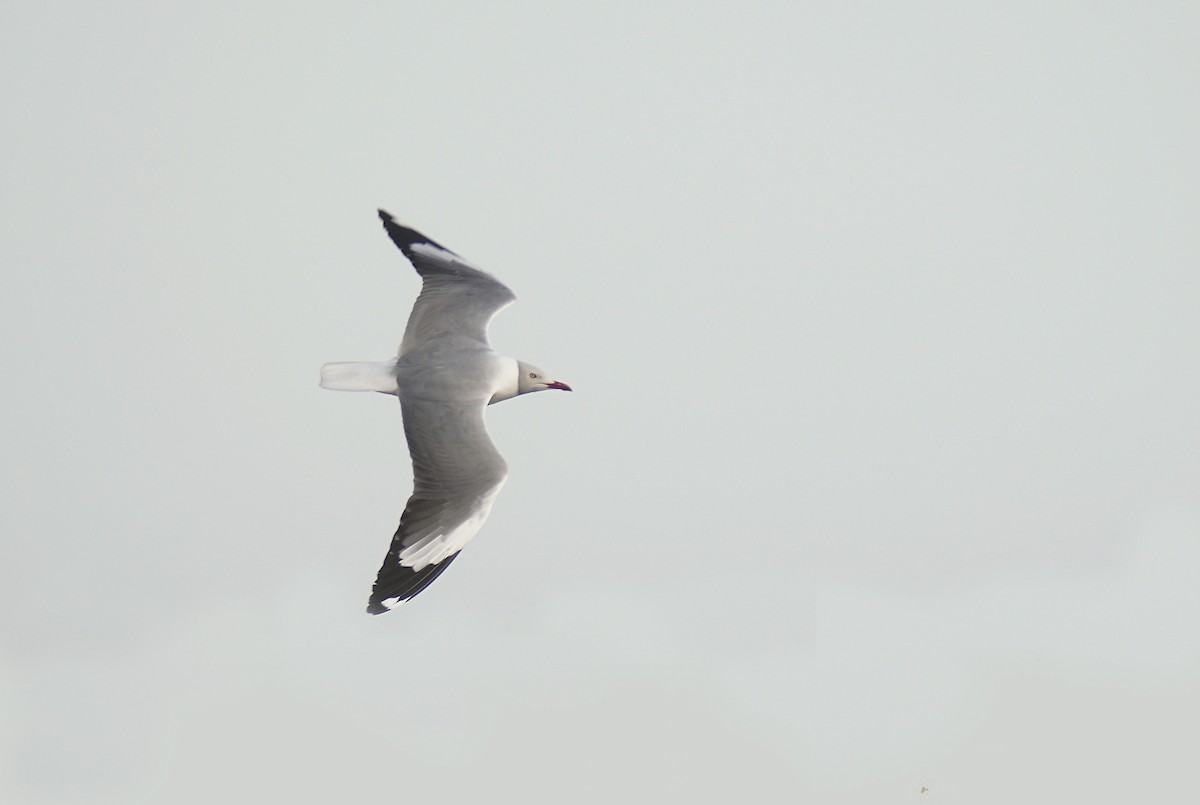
x,y
445,375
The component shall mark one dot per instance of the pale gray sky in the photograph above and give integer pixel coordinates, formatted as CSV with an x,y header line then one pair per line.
x,y
881,470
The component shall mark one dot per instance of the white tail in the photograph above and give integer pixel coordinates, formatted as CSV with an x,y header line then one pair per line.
x,y
360,376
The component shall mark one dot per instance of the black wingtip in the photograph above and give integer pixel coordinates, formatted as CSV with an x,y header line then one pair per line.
x,y
405,236
403,583
376,608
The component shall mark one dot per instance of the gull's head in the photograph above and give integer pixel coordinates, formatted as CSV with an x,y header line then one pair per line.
x,y
532,378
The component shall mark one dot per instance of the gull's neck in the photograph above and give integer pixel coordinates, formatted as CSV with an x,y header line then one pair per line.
x,y
507,377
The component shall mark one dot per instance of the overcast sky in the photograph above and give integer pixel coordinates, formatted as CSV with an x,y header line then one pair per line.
x,y
881,471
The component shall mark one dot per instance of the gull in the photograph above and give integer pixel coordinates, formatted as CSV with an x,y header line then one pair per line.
x,y
445,375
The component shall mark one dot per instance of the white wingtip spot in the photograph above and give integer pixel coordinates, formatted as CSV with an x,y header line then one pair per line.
x,y
391,603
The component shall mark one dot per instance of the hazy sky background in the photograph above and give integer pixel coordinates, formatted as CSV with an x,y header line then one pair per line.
x,y
881,471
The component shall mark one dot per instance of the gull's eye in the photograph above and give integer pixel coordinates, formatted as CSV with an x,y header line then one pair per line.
x,y
533,374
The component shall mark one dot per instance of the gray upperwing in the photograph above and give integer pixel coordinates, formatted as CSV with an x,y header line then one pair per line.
x,y
457,298
453,456
457,473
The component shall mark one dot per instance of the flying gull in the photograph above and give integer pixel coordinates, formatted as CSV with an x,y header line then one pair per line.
x,y
445,374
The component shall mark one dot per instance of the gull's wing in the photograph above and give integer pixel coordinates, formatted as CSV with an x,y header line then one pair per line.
x,y
457,298
457,473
